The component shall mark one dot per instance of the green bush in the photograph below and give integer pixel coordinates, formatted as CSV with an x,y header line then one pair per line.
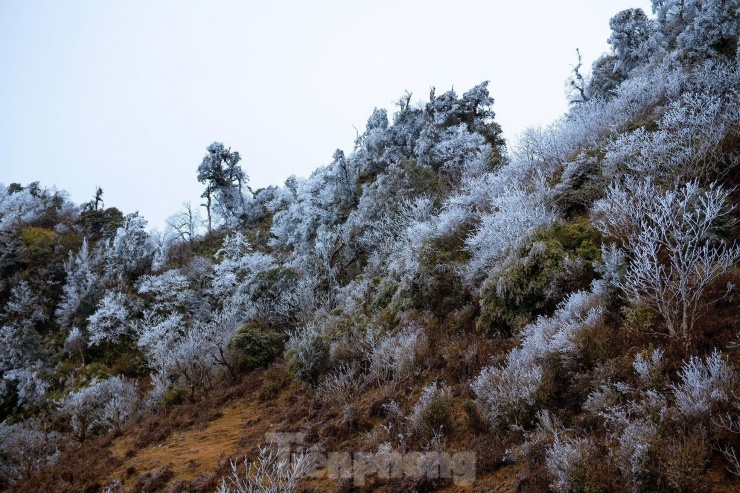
x,y
173,397
534,277
254,345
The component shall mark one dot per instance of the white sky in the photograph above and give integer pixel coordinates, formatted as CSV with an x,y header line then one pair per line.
x,y
127,94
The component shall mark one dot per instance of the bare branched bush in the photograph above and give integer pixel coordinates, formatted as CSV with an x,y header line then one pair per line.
x,y
341,386
274,471
673,250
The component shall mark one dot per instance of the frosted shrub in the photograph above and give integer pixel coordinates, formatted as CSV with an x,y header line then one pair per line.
x,y
405,252
635,427
398,356
341,386
191,359
560,334
310,350
432,412
25,447
238,265
110,320
515,214
635,444
649,370
110,403
274,471
506,393
601,399
688,142
565,462
703,384
298,303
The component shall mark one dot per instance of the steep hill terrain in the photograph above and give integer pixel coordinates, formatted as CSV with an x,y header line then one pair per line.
x,y
438,310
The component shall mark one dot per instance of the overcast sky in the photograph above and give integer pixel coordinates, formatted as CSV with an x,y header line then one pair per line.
x,y
126,95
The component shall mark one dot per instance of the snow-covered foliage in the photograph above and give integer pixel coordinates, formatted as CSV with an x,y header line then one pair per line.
x,y
110,320
80,280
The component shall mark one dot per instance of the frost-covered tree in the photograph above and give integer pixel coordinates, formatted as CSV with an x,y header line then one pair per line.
x,y
474,110
81,277
168,292
700,29
131,250
713,30
111,403
26,447
314,210
633,40
224,180
23,307
670,239
186,223
75,343
237,266
21,358
110,320
31,203
371,147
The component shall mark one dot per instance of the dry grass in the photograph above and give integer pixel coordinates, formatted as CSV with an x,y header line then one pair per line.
x,y
193,452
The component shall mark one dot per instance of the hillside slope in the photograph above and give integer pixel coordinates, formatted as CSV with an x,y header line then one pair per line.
x,y
436,311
